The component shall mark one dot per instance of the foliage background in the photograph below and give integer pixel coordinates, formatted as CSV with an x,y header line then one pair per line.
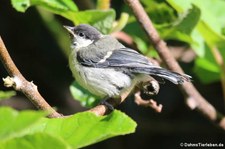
x,y
37,54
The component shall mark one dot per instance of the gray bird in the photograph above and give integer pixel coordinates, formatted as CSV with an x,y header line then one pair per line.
x,y
108,69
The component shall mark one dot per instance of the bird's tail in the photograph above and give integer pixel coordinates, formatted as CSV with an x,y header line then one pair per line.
x,y
173,77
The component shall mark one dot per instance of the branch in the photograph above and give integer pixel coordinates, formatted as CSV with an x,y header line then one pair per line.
x,y
19,83
193,98
147,103
219,60
103,109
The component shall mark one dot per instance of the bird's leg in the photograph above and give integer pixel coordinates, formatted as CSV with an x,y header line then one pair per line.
x,y
106,103
110,103
105,107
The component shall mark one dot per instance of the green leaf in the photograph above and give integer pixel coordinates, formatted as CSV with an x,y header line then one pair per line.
x,y
159,12
83,96
199,45
206,71
86,128
28,128
21,5
213,17
14,124
100,19
206,65
6,94
183,26
187,22
141,44
208,35
35,141
65,8
56,6
212,39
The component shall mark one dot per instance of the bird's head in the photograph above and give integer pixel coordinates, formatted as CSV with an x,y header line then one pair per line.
x,y
83,35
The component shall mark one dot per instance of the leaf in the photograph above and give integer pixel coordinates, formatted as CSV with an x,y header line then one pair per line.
x,y
14,124
206,65
35,141
159,12
100,19
199,46
21,5
141,44
65,8
55,6
212,39
209,16
86,128
209,64
206,71
29,129
189,20
6,94
208,35
83,96
183,26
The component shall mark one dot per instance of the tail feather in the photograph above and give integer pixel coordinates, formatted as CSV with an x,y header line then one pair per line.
x,y
173,77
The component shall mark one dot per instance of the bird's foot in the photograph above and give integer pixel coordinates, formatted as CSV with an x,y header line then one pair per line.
x,y
107,104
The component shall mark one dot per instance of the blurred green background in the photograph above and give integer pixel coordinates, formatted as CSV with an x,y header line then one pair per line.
x,y
38,54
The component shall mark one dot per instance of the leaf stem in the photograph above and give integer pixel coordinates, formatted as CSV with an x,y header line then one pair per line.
x,y
219,60
103,4
120,24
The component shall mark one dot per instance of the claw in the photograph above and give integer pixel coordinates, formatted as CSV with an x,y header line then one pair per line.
x,y
107,104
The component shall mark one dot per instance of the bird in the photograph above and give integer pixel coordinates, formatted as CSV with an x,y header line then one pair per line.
x,y
108,69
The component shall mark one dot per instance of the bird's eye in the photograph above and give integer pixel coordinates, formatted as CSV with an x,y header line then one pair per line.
x,y
81,34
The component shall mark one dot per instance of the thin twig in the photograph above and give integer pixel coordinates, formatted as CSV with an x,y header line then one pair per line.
x,y
189,91
149,87
219,60
147,103
21,84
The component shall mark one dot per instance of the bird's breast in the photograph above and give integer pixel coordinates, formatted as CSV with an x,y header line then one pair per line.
x,y
100,81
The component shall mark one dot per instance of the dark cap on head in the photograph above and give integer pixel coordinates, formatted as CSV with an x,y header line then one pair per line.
x,y
88,31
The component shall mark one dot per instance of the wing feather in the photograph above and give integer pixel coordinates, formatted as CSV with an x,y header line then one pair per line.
x,y
132,61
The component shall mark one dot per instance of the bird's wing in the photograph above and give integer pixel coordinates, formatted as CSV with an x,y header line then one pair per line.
x,y
123,57
130,61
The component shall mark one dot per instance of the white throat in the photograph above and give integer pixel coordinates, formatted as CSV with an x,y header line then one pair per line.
x,y
80,42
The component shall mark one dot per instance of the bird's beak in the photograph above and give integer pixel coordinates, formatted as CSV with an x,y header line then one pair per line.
x,y
69,29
